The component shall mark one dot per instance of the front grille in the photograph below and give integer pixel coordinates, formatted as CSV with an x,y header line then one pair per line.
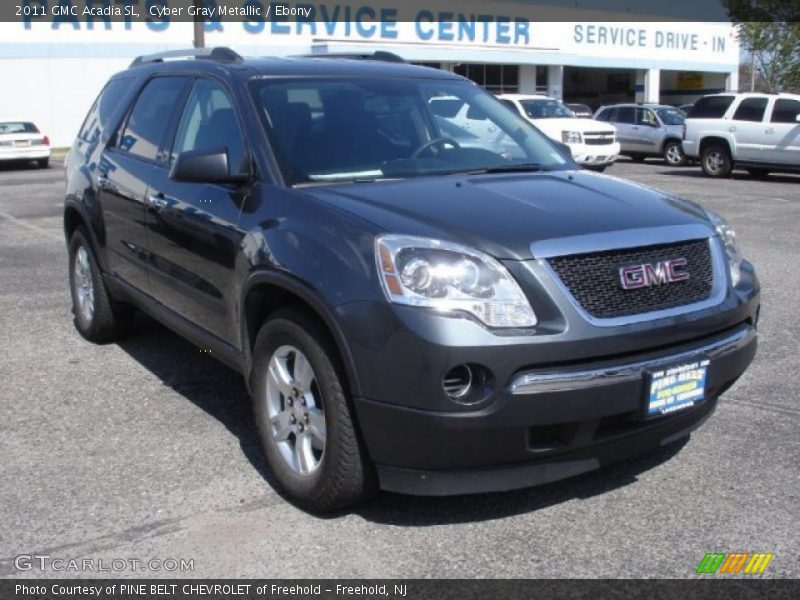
x,y
600,138
594,280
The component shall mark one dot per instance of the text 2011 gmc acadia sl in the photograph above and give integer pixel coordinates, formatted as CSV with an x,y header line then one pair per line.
x,y
415,306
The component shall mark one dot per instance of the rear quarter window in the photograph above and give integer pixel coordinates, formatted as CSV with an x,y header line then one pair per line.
x,y
710,107
103,109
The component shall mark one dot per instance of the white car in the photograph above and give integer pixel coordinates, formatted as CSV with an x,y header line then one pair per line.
x,y
22,140
592,143
757,132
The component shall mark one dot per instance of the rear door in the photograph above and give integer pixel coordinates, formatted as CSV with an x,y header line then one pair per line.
x,y
782,142
648,131
192,227
747,127
125,172
624,120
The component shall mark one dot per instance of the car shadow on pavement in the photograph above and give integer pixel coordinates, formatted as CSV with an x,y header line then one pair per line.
x,y
221,393
736,175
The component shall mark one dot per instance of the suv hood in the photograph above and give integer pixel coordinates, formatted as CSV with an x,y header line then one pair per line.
x,y
504,214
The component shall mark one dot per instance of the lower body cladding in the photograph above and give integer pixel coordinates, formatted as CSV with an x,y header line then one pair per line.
x,y
546,424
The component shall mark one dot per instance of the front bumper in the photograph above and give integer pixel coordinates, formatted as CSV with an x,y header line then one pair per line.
x,y
547,424
595,155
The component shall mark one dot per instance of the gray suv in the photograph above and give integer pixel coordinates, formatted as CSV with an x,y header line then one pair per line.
x,y
647,130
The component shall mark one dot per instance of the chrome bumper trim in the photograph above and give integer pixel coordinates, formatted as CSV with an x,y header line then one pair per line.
x,y
533,382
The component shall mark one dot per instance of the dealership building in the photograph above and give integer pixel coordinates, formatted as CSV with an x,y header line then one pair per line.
x,y
54,65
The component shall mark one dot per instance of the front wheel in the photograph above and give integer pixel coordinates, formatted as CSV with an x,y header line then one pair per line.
x,y
44,163
597,169
716,161
304,420
673,154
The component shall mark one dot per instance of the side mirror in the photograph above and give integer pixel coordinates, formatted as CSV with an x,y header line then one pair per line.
x,y
797,117
204,166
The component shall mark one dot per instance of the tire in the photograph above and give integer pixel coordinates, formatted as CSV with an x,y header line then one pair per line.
x,y
715,161
758,173
97,317
323,466
599,169
44,163
673,153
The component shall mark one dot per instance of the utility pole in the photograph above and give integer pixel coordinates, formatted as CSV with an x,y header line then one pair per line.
x,y
752,71
199,26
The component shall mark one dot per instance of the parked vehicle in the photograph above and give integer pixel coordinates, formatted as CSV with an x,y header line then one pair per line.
x,y
22,141
592,144
582,111
757,132
408,313
647,130
685,108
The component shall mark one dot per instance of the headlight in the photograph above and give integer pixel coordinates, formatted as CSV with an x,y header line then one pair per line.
x,y
728,237
571,137
450,278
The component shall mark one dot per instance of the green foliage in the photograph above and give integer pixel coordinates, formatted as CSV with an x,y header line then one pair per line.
x,y
770,30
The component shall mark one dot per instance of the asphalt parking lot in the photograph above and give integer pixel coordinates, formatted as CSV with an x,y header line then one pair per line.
x,y
146,449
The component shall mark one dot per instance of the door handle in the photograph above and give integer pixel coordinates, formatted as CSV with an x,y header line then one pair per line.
x,y
731,128
770,130
157,201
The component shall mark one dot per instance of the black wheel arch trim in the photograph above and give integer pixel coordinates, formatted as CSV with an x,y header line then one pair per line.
x,y
308,295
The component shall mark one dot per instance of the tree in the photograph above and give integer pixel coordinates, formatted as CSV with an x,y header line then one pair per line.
x,y
770,31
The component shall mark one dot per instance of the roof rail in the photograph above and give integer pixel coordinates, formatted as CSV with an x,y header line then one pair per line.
x,y
380,55
220,54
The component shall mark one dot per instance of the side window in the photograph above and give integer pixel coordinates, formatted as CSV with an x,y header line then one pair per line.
x,y
710,107
645,117
785,111
102,109
606,115
751,109
151,117
209,122
625,114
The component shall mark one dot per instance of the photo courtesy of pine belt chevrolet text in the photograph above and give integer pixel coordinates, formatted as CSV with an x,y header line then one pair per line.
x,y
414,307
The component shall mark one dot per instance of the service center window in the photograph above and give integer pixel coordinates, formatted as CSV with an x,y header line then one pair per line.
x,y
151,117
208,123
751,109
499,79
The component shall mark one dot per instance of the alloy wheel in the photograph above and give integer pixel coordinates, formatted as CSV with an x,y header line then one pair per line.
x,y
83,283
295,410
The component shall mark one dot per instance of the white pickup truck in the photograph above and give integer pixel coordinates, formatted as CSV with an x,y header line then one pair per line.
x,y
756,132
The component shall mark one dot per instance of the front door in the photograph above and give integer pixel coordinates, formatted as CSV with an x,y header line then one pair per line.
x,y
192,227
748,129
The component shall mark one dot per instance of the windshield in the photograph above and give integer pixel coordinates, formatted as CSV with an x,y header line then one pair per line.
x,y
670,116
325,130
18,127
546,109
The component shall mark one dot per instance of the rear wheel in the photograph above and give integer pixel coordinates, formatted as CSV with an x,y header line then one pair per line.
x,y
43,163
97,317
304,419
673,153
716,161
758,173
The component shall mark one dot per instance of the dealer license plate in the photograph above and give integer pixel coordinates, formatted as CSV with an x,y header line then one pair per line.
x,y
675,388
22,143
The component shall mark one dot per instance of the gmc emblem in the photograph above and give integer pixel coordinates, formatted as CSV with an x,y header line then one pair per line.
x,y
634,277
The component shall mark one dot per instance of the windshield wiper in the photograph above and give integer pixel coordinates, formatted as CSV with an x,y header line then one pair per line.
x,y
515,168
